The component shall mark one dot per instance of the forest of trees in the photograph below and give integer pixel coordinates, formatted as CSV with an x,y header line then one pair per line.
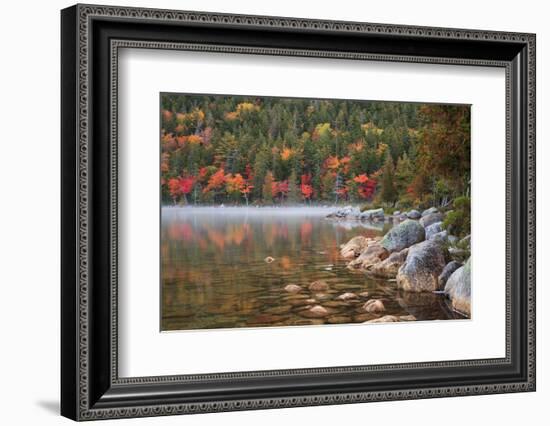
x,y
259,150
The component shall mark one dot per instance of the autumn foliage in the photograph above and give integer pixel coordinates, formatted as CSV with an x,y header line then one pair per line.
x,y
231,149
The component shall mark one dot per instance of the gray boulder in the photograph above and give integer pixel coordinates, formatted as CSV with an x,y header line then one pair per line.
x,y
433,229
347,212
458,288
396,213
430,219
440,237
413,214
372,214
373,254
402,236
429,211
420,272
354,247
447,272
388,267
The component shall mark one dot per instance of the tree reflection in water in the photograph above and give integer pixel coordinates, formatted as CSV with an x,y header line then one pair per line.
x,y
214,273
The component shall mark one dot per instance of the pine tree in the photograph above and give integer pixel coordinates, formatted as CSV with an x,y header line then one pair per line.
x,y
261,166
294,194
267,188
404,173
388,193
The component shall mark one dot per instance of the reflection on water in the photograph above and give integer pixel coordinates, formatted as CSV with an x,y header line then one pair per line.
x,y
214,273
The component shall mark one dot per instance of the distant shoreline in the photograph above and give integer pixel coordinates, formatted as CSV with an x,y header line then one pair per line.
x,y
275,206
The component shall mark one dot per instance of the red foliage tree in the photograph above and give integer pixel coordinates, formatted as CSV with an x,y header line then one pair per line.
x,y
245,190
305,186
186,184
179,186
283,188
216,182
174,188
279,189
366,186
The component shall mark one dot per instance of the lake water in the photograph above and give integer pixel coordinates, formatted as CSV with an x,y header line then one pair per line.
x,y
214,272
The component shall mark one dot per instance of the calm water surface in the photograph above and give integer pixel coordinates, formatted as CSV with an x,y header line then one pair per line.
x,y
214,273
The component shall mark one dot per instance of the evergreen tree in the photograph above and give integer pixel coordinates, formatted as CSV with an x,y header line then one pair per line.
x,y
294,194
388,192
404,173
267,188
261,166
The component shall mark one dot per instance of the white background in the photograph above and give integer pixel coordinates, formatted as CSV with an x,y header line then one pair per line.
x,y
29,229
146,352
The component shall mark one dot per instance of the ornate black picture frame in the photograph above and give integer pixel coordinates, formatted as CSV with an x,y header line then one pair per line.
x,y
91,36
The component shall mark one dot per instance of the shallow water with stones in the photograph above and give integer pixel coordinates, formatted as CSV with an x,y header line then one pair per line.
x,y
214,273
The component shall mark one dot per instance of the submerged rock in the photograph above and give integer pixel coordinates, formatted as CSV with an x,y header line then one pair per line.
x,y
335,304
458,288
316,311
319,285
374,306
374,253
388,267
298,302
416,303
265,319
354,247
322,296
430,219
407,318
447,272
347,296
278,310
339,319
420,272
385,318
293,288
403,235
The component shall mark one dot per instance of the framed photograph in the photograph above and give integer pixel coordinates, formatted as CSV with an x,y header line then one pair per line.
x,y
263,212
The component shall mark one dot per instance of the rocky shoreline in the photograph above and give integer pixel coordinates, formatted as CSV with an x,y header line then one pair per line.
x,y
416,252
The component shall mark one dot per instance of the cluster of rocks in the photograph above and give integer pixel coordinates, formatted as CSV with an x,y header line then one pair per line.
x,y
354,213
431,219
318,301
418,254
